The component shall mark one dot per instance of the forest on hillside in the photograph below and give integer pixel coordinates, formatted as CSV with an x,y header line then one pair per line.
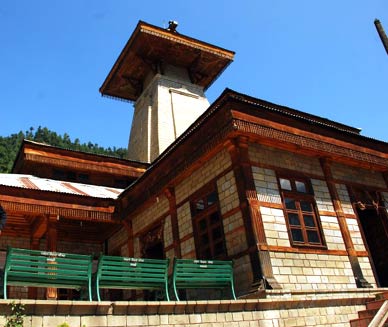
x,y
10,145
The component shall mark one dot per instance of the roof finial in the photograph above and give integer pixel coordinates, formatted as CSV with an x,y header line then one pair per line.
x,y
172,25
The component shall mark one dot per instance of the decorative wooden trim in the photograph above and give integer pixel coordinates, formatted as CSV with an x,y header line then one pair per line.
x,y
274,248
308,143
36,207
83,165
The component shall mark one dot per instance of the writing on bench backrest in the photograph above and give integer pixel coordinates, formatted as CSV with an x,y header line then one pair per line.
x,y
134,259
206,262
53,254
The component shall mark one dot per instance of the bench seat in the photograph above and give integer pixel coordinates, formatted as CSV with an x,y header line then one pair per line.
x,y
115,272
24,267
197,274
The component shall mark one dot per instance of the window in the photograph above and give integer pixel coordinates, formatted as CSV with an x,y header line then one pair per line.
x,y
208,228
300,212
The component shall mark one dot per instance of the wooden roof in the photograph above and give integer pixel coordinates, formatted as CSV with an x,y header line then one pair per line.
x,y
150,45
235,115
78,216
38,159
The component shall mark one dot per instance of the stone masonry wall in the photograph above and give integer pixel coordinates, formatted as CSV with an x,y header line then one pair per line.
x,y
364,176
199,178
295,268
329,312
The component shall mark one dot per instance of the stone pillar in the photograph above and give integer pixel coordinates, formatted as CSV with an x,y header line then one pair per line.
x,y
250,209
357,272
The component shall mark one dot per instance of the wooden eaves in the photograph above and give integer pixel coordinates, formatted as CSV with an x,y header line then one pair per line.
x,y
77,218
150,45
235,115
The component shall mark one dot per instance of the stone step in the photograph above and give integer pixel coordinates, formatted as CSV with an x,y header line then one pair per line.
x,y
360,322
382,296
367,313
374,304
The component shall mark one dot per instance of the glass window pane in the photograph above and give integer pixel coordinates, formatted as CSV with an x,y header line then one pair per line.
x,y
219,249
309,221
216,233
202,224
296,235
204,239
199,205
285,184
211,198
301,187
306,206
214,218
313,237
293,219
290,203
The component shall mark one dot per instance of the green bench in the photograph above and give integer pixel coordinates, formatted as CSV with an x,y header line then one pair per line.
x,y
197,274
24,267
115,272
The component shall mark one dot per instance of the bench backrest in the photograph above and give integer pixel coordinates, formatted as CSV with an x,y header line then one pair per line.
x,y
132,273
190,273
24,267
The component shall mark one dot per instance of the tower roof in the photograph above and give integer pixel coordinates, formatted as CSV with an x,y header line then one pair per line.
x,y
150,45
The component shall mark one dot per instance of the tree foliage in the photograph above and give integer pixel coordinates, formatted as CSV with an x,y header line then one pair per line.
x,y
10,145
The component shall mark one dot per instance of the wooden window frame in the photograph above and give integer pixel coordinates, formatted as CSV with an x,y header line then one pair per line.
x,y
301,212
211,218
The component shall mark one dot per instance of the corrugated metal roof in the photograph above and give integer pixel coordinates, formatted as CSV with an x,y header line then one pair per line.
x,y
51,185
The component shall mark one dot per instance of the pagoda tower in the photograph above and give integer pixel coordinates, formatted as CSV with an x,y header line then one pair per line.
x,y
165,74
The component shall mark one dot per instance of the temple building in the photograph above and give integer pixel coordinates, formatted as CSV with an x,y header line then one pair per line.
x,y
298,202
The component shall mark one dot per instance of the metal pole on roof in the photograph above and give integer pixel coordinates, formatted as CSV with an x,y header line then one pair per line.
x,y
382,34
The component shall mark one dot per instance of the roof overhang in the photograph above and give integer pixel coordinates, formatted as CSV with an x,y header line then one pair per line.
x,y
150,45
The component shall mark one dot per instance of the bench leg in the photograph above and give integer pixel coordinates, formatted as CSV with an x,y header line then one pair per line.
x,y
166,292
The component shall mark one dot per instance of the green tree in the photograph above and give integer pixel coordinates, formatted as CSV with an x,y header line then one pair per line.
x,y
10,145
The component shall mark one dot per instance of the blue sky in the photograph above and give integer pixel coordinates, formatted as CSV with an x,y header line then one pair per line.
x,y
323,57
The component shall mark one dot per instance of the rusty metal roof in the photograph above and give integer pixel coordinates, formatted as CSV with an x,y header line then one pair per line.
x,y
51,185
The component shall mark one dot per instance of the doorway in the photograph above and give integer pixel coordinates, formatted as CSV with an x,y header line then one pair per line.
x,y
374,222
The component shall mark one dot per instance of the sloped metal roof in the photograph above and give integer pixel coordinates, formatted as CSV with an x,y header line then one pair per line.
x,y
51,185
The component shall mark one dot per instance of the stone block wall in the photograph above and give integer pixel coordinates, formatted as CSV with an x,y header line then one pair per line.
x,y
299,268
167,107
333,311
